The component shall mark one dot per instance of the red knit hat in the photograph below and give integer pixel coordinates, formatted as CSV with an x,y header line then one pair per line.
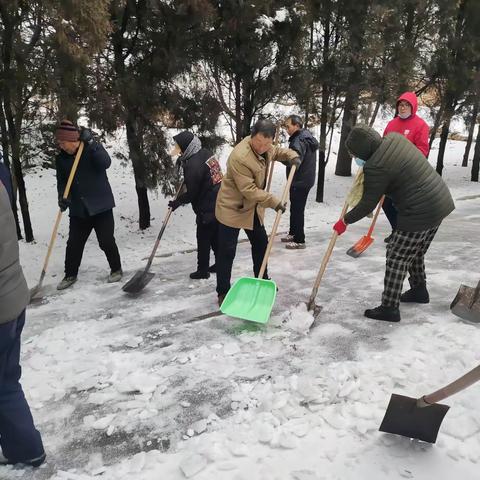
x,y
67,132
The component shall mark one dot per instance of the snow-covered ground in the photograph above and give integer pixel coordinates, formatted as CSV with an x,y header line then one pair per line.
x,y
131,388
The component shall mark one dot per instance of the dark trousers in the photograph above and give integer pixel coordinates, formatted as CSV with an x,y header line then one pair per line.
x,y
390,212
227,247
405,253
298,200
80,229
19,439
207,238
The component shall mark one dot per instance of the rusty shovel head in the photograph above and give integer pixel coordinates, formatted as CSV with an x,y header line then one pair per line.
x,y
466,304
404,417
138,282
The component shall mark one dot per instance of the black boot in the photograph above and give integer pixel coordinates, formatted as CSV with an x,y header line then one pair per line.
x,y
416,294
212,268
198,275
388,314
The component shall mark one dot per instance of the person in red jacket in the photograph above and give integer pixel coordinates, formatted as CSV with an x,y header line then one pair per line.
x,y
409,124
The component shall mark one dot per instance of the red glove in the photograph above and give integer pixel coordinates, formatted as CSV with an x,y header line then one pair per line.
x,y
340,227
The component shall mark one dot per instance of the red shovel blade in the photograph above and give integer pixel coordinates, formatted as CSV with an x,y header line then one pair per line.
x,y
360,246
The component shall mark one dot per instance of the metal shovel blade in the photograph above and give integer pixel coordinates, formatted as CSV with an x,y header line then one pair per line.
x,y
250,299
465,306
138,282
34,295
356,250
404,417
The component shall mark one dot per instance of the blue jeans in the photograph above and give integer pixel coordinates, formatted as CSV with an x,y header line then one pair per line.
x,y
19,439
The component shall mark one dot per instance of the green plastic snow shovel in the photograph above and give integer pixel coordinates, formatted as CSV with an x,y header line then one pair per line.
x,y
253,298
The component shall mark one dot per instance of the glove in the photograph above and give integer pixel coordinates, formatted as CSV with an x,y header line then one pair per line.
x,y
295,162
340,227
86,136
281,206
173,204
64,203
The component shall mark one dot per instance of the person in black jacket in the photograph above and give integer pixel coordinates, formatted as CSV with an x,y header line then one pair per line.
x,y
303,142
202,177
90,200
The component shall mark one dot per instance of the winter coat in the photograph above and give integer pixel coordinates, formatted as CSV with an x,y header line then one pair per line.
x,y
202,176
6,179
242,191
413,127
305,144
14,294
91,192
396,168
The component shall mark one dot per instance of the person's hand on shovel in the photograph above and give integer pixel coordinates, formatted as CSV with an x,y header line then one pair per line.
x,y
340,227
281,207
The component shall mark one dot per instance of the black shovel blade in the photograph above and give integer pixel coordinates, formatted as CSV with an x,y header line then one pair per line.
x,y
353,253
138,282
404,417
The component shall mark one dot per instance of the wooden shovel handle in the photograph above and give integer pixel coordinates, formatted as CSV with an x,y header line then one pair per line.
x,y
374,221
276,222
271,164
59,214
458,385
164,226
326,257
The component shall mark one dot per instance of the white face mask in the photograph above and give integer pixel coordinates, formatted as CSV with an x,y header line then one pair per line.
x,y
404,116
359,161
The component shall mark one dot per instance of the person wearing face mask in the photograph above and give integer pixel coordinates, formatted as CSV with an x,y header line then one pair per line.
x,y
202,177
242,199
411,126
393,166
90,201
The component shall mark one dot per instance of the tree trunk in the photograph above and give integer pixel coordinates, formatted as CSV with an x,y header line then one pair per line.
x,y
374,115
322,159
344,161
238,111
449,112
136,155
476,159
471,129
436,125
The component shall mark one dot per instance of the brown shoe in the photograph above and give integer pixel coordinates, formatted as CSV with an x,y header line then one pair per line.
x,y
221,298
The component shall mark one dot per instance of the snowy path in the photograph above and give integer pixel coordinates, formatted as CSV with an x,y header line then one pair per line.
x,y
125,388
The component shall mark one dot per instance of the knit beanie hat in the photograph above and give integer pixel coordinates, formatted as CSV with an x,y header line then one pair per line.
x,y
67,132
183,139
362,141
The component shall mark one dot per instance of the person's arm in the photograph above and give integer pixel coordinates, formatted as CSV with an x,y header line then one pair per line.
x,y
6,179
99,156
422,139
375,183
287,156
243,178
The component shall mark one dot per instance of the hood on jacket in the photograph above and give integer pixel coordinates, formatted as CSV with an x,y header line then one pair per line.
x,y
362,141
307,137
409,97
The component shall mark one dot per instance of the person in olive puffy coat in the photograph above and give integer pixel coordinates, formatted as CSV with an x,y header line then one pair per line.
x,y
393,166
20,441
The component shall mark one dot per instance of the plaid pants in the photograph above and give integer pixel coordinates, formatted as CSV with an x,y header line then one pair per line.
x,y
405,252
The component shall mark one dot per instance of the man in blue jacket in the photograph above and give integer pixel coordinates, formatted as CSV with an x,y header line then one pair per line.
x,y
90,200
303,142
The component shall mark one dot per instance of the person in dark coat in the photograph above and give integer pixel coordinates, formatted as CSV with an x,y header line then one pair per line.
x,y
6,179
20,441
90,201
305,144
202,178
393,166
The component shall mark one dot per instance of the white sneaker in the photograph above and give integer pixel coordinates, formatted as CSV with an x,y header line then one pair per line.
x,y
295,246
115,276
288,238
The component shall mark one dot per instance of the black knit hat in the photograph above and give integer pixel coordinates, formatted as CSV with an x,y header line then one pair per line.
x,y
362,141
183,139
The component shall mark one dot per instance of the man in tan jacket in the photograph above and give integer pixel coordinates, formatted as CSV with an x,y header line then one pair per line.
x,y
242,200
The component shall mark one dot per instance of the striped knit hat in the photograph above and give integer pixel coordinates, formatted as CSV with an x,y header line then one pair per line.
x,y
67,132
